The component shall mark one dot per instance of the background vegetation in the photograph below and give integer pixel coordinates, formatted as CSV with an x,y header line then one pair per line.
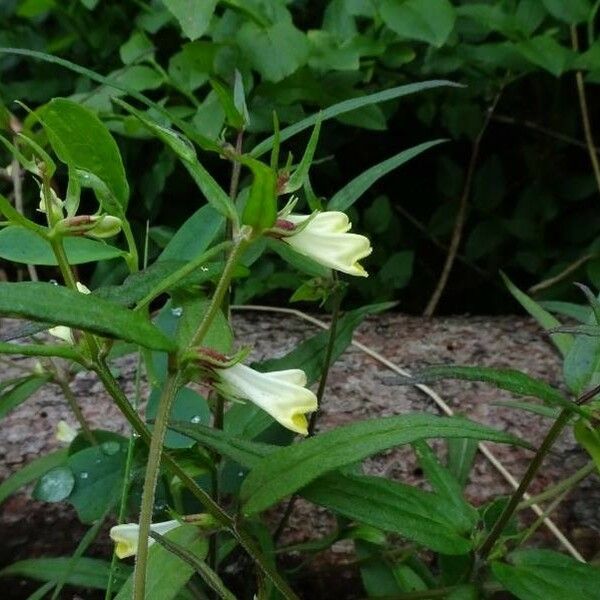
x,y
529,206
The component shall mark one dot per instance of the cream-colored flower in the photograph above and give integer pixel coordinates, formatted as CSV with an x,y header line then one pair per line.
x,y
282,394
326,240
126,536
65,433
66,333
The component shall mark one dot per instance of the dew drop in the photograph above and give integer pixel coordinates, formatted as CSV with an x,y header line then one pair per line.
x,y
110,448
177,311
84,475
196,419
53,281
205,269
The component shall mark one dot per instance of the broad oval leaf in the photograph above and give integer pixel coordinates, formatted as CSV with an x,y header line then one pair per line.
x,y
82,142
429,21
61,306
21,245
294,467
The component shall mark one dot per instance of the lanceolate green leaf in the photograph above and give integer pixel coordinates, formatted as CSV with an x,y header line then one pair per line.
x,y
260,211
167,573
348,106
506,379
31,472
298,177
537,574
420,516
201,140
293,467
82,142
17,394
61,306
21,245
87,572
562,341
184,150
350,193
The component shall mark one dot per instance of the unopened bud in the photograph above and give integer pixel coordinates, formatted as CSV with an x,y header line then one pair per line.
x,y
95,226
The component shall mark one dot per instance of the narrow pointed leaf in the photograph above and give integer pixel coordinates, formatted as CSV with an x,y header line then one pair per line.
x,y
293,467
347,106
352,191
61,306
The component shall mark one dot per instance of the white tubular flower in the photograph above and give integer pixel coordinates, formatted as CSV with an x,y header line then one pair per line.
x,y
282,394
126,536
326,240
61,331
65,433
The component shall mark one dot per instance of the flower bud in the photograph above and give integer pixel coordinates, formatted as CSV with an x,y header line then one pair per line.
x,y
96,226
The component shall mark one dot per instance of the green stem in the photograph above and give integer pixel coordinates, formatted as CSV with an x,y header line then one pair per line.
x,y
132,257
126,477
173,383
184,271
532,469
228,522
561,486
220,291
151,479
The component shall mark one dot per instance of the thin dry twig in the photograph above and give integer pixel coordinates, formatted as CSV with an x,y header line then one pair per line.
x,y
585,113
462,213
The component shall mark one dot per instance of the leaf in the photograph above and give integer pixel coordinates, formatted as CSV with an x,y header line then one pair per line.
x,y
166,573
87,572
189,406
293,467
445,484
61,306
210,577
310,354
18,393
30,472
21,245
352,191
505,379
543,574
82,142
429,21
260,211
562,341
461,455
571,11
193,16
182,147
55,485
276,50
589,438
300,175
98,471
346,106
419,516
581,367
544,51
195,235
